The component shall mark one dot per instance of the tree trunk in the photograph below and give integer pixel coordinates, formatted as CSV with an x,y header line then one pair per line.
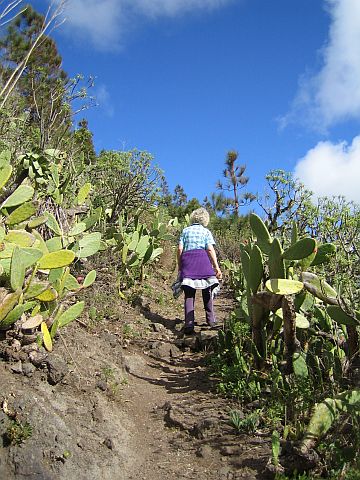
x,y
292,344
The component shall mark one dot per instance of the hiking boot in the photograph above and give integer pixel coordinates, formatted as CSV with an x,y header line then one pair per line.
x,y
188,329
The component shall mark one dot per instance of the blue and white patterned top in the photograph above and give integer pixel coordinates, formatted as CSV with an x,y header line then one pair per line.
x,y
196,236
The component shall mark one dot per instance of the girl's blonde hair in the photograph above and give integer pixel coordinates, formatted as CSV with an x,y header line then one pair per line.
x,y
200,215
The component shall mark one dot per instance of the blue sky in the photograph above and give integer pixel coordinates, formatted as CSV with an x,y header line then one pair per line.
x,y
188,80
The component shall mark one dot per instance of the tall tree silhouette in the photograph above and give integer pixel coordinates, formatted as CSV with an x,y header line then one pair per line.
x,y
234,182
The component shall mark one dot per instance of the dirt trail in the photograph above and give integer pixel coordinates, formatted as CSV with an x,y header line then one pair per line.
x,y
111,406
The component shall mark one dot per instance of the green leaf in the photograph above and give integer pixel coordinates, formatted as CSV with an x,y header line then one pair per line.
x,y
83,193
93,219
301,321
299,365
261,232
17,270
275,447
57,259
134,241
77,229
30,256
323,254
245,262
53,224
124,253
12,317
35,289
156,253
148,254
71,283
90,278
5,174
276,263
7,250
142,246
341,317
5,157
22,194
8,303
36,222
55,274
22,213
22,238
54,244
256,269
48,295
301,249
318,287
281,286
71,314
88,245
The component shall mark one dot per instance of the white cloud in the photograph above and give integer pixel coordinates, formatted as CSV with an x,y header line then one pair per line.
x,y
104,23
103,99
332,169
333,94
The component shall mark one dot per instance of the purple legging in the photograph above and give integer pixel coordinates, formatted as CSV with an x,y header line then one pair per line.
x,y
190,305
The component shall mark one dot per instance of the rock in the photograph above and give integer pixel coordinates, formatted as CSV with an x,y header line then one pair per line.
x,y
57,368
97,414
191,342
27,339
207,338
32,347
179,327
28,369
205,451
111,339
11,355
153,345
101,385
29,464
16,345
37,358
225,472
167,350
17,367
158,327
229,450
204,427
175,352
109,443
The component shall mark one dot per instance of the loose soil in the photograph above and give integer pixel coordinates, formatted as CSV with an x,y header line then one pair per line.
x,y
124,399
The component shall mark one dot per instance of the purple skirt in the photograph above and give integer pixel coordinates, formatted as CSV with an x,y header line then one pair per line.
x,y
195,264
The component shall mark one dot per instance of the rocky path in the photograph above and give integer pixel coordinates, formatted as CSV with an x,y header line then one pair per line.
x,y
109,404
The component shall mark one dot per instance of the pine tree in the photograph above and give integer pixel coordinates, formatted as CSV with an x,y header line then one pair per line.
x,y
42,85
235,181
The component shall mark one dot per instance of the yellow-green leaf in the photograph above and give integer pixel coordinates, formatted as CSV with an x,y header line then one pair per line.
x,y
56,259
83,193
46,337
5,174
48,295
22,194
281,286
90,278
71,314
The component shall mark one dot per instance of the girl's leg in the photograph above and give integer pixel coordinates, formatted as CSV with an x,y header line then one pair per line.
x,y
208,306
189,306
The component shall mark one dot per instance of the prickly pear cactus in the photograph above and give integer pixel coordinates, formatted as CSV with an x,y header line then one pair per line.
x,y
35,273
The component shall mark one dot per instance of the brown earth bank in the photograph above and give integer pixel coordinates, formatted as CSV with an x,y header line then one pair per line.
x,y
127,398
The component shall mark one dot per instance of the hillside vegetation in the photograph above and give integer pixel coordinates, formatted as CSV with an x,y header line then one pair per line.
x,y
86,237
